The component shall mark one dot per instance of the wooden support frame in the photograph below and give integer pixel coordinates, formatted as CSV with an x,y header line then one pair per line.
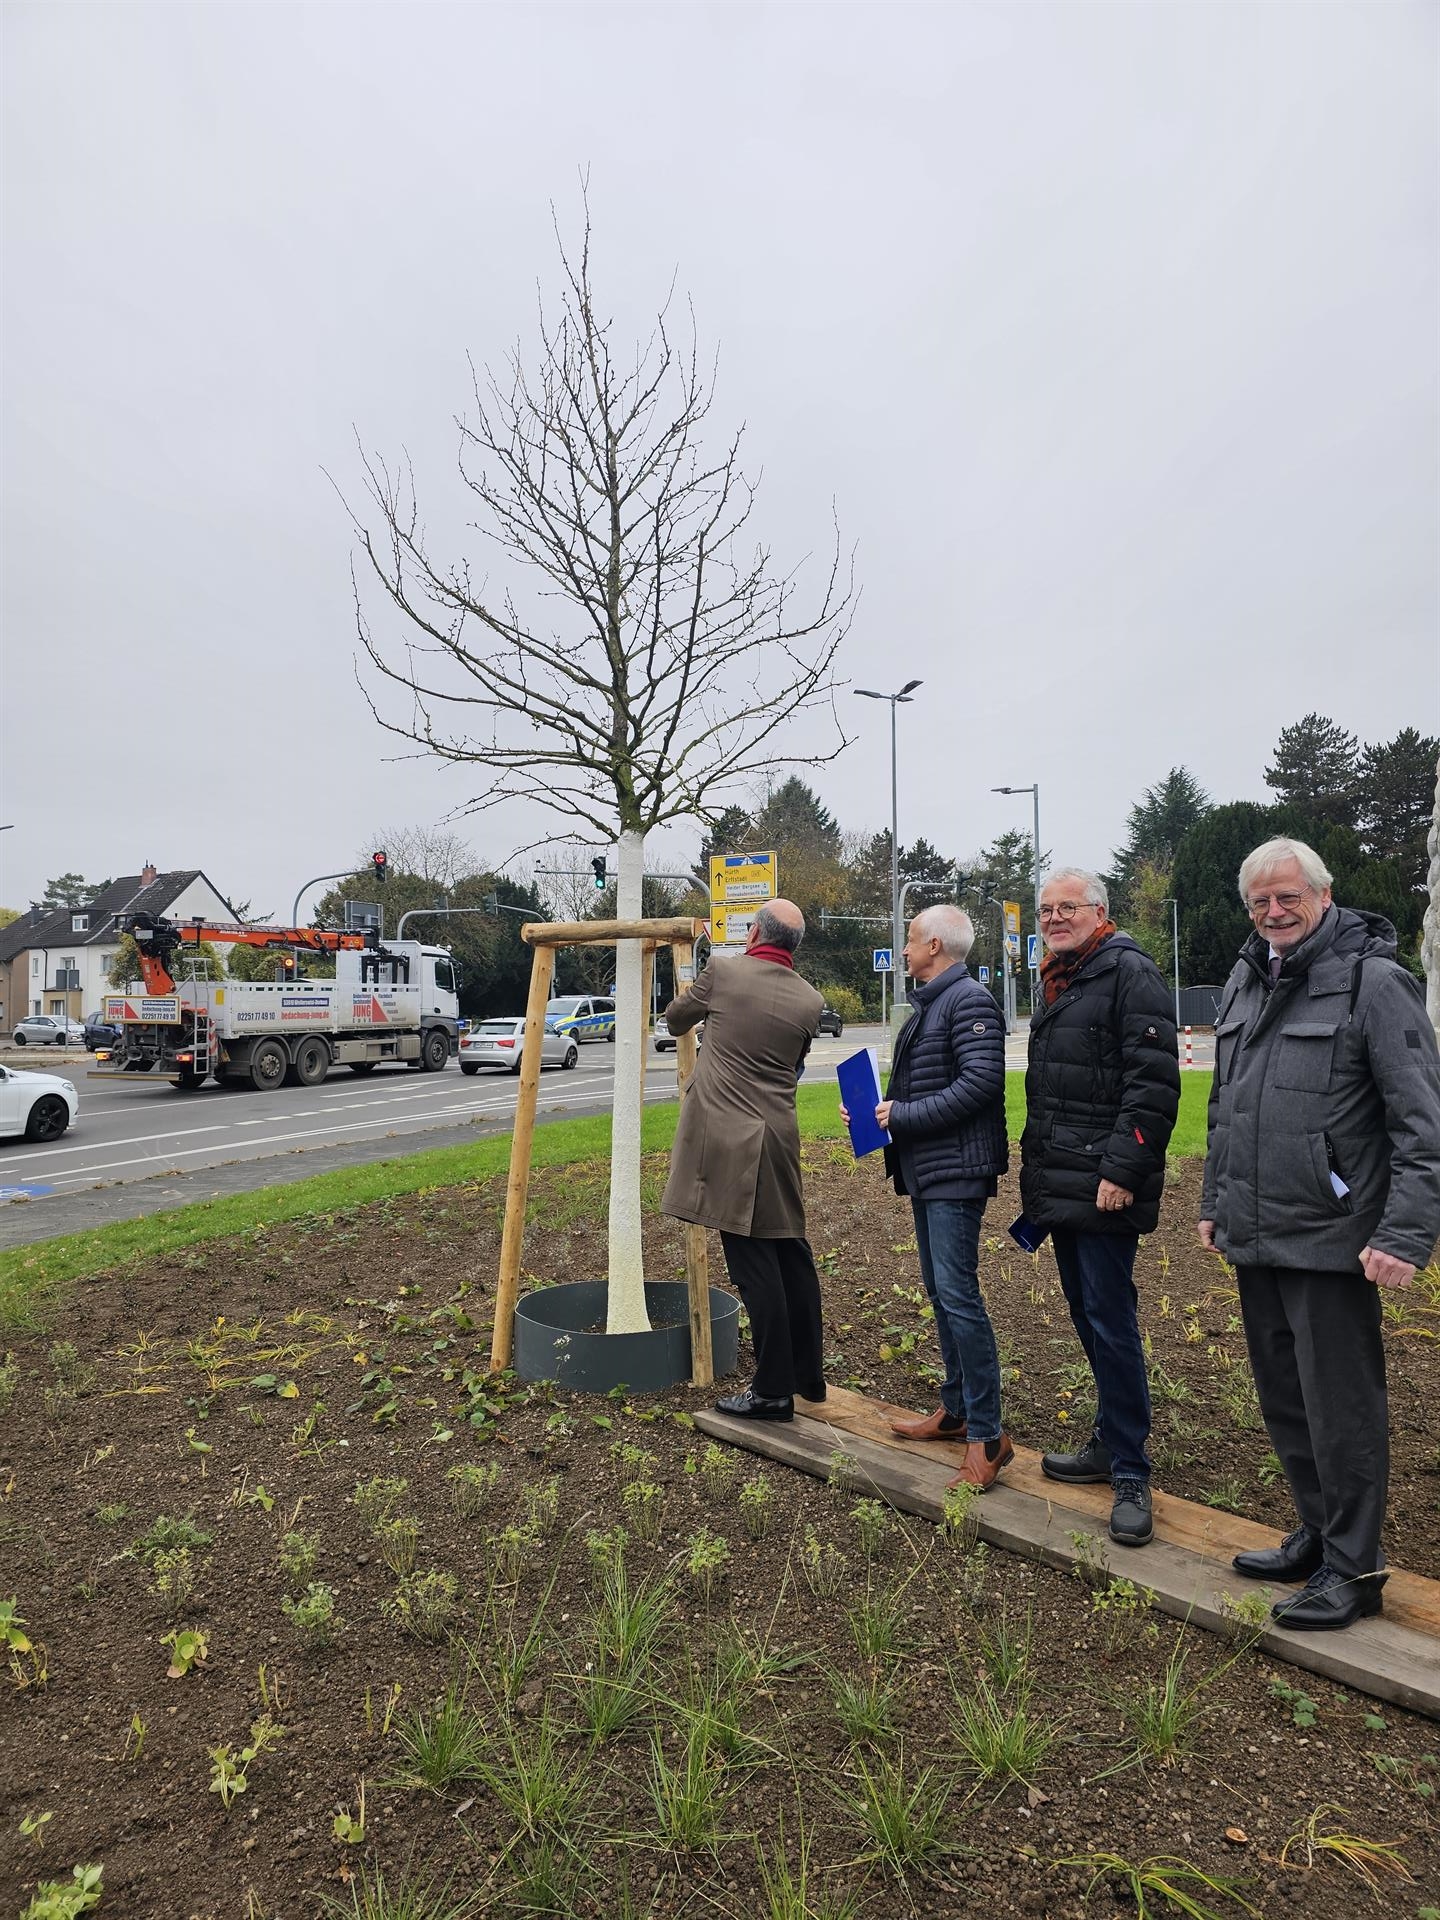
x,y
545,937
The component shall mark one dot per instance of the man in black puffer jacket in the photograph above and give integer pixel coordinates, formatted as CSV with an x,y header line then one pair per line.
x,y
1101,1094
946,1116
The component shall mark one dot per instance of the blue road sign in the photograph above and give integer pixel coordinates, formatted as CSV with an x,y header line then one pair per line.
x,y
1032,951
883,960
984,976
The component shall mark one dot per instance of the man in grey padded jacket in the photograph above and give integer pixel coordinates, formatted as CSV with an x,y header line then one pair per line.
x,y
1322,1186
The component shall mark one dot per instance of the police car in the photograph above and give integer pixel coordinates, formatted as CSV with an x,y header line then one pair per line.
x,y
581,1016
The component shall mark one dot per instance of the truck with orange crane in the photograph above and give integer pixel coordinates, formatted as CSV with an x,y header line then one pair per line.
x,y
388,1001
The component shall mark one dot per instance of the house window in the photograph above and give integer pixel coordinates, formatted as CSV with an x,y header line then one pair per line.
x,y
79,923
35,973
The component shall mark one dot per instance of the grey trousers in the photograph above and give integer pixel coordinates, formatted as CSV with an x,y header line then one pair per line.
x,y
1319,1367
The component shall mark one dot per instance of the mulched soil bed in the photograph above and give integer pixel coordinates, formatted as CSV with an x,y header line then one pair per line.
x,y
251,1384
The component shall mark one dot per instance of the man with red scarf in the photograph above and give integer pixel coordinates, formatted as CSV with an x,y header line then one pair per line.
x,y
1102,1089
735,1165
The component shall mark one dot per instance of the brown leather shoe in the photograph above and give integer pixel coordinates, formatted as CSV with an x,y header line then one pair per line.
x,y
985,1460
939,1425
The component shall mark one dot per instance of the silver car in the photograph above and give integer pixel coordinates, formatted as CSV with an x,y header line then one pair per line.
x,y
500,1043
49,1030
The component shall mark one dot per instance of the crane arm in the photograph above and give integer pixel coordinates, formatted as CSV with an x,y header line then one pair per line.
x,y
157,941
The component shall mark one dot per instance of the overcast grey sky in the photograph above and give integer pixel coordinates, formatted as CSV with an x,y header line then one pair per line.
x,y
1111,330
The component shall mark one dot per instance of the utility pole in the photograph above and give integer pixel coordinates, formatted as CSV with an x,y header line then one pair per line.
x,y
1035,971
897,941
1174,906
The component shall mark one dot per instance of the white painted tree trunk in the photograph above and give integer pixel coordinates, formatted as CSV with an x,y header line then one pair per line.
x,y
626,1312
1430,943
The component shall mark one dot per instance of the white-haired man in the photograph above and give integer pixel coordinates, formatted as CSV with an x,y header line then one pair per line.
x,y
945,1110
1322,1185
1102,1089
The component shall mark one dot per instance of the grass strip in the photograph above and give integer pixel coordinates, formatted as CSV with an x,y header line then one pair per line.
x,y
33,1278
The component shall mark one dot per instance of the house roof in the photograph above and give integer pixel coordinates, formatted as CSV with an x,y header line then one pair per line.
x,y
50,927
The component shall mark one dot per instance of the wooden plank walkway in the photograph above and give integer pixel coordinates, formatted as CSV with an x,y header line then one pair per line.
x,y
1395,1657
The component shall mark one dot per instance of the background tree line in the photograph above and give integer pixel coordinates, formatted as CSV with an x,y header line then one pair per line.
x,y
1366,809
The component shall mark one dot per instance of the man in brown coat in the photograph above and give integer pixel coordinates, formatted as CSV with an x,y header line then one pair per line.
x,y
736,1161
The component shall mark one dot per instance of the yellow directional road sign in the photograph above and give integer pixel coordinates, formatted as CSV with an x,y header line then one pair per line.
x,y
740,884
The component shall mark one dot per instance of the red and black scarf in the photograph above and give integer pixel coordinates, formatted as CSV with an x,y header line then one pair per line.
x,y
1058,970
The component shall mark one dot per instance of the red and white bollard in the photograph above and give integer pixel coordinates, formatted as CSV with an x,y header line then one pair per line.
x,y
1189,1048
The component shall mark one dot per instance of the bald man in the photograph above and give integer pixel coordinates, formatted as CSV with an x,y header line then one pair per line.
x,y
736,1160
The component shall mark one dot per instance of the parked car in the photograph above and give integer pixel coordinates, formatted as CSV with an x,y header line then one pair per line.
x,y
39,1105
99,1033
501,1043
48,1030
583,1016
830,1022
665,1040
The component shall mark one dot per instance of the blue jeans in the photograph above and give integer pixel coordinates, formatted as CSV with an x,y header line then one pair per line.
x,y
1095,1272
947,1233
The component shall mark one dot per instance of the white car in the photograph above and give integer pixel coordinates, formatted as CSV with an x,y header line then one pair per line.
x,y
48,1030
500,1043
39,1105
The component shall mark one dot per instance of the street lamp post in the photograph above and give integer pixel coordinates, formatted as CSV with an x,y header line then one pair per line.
x,y
1174,906
896,936
1035,791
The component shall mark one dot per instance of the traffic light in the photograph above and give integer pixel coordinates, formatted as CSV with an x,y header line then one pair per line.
x,y
492,903
381,863
597,866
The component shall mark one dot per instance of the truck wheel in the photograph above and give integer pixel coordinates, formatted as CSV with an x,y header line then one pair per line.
x,y
188,1082
49,1117
312,1061
434,1050
363,1066
268,1066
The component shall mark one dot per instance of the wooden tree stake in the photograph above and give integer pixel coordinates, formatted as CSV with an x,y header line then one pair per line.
x,y
507,1288
697,1251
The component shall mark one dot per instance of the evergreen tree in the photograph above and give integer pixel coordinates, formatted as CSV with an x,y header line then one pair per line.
x,y
1153,832
1316,772
1397,801
70,890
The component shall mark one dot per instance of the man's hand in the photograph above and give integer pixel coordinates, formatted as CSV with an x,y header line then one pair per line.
x,y
844,1113
1207,1235
882,1114
1384,1270
1110,1198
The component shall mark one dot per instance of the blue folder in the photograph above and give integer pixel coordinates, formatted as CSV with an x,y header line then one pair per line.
x,y
859,1078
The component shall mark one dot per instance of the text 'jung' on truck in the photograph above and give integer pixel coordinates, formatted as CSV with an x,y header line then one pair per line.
x,y
395,1001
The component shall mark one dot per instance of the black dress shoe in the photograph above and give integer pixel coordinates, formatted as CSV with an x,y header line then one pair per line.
x,y
1298,1555
815,1391
1330,1600
750,1405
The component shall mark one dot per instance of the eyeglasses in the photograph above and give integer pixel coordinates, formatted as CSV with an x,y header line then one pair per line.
x,y
1064,909
1287,902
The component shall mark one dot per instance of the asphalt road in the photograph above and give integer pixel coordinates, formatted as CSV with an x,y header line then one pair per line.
x,y
141,1148
138,1148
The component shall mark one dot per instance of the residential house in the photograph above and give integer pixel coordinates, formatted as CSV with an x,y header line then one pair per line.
x,y
58,960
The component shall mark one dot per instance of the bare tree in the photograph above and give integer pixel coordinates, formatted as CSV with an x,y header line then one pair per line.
x,y
430,853
638,657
